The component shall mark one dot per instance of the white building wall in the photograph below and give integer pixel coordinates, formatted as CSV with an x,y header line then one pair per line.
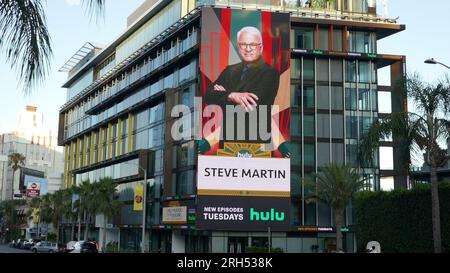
x,y
38,144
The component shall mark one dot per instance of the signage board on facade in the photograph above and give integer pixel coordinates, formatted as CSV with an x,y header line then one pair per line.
x,y
244,150
175,215
243,213
33,190
36,187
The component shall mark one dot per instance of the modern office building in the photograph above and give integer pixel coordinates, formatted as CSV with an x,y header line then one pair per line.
x,y
117,119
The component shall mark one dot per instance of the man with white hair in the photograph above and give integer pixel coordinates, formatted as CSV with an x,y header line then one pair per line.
x,y
249,84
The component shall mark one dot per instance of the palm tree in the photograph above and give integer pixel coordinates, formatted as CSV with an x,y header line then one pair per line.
x,y
87,203
8,216
68,211
336,185
108,205
34,204
57,200
421,131
15,160
25,39
46,211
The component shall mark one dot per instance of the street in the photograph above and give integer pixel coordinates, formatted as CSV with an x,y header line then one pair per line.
x,y
7,249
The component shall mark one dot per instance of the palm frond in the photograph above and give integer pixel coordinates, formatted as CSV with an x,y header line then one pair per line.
x,y
95,8
335,185
25,40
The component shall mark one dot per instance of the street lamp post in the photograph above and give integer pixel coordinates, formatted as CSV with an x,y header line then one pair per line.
x,y
144,208
433,61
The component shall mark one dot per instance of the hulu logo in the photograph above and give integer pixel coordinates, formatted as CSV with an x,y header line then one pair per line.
x,y
266,215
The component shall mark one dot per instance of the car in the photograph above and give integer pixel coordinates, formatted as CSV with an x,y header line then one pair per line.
x,y
19,243
30,243
12,244
46,247
82,247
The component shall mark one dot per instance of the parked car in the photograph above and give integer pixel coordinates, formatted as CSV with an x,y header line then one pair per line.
x,y
82,247
19,243
46,247
30,243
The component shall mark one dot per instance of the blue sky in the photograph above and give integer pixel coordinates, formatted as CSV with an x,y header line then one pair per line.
x,y
427,35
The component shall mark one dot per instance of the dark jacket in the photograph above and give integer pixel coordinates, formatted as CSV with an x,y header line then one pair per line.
x,y
261,80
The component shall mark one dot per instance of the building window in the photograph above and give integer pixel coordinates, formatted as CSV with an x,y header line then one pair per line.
x,y
384,102
364,99
296,154
323,125
364,72
350,99
352,154
337,126
310,155
361,6
323,39
352,127
386,158
337,156
336,71
363,42
304,38
387,183
323,97
323,70
364,125
323,154
184,182
296,72
337,39
309,125
337,102
296,125
308,69
308,97
350,71
296,99
184,155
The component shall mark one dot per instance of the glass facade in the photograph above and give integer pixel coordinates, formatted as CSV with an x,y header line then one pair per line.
x,y
332,111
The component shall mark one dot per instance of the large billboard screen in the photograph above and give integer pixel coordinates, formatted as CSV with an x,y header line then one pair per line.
x,y
245,87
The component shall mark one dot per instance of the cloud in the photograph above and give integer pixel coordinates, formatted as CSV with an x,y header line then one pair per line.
x,y
73,2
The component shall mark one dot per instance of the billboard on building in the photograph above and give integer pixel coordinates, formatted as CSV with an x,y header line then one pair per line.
x,y
36,187
245,88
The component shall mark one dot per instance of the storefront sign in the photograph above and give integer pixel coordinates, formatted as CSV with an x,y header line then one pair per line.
x,y
175,215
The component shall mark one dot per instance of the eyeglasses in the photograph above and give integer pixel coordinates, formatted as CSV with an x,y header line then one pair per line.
x,y
251,46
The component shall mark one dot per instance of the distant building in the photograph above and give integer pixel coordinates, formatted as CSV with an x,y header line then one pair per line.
x,y
39,146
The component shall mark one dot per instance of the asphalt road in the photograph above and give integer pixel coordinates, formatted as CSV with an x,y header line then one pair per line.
x,y
7,249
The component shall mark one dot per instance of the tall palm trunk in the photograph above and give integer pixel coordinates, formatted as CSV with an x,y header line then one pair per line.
x,y
339,216
435,214
57,232
105,218
73,231
86,227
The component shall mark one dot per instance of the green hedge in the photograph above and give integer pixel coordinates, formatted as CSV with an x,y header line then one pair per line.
x,y
401,220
